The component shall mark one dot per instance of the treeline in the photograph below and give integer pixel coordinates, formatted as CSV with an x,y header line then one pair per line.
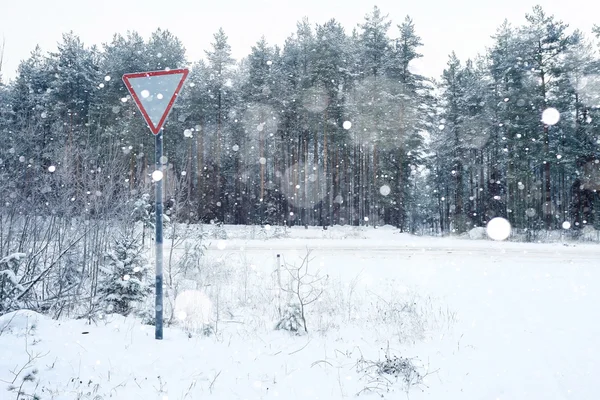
x,y
334,128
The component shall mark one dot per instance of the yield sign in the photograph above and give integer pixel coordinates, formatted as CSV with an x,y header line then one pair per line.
x,y
155,93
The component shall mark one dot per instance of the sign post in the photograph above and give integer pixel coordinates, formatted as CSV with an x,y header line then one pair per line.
x,y
155,93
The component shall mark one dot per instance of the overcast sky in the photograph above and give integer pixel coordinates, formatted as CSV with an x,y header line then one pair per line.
x,y
461,25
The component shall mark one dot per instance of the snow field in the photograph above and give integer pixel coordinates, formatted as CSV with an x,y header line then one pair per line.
x,y
478,319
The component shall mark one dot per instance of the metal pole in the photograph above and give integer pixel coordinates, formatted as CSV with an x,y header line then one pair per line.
x,y
279,284
159,241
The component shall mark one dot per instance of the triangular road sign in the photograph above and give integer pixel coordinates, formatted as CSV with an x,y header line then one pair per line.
x,y
155,93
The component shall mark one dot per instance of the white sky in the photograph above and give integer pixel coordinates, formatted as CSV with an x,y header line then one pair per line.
x,y
461,25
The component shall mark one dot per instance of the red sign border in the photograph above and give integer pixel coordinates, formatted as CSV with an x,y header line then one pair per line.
x,y
155,129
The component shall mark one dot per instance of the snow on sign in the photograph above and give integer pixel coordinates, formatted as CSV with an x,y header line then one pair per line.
x,y
155,93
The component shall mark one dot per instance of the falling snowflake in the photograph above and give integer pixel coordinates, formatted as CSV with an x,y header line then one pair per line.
x,y
262,160
498,229
566,225
107,78
51,168
181,315
550,116
235,147
145,93
157,176
187,133
347,125
385,190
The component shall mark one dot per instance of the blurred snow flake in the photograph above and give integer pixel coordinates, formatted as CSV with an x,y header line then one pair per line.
x,y
385,190
44,114
22,158
566,225
183,173
164,160
187,133
101,85
159,96
262,160
107,78
269,62
116,109
123,99
145,93
347,125
51,168
221,245
126,277
235,147
498,229
550,116
157,176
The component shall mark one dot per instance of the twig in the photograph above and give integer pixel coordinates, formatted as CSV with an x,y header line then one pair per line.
x,y
210,388
303,347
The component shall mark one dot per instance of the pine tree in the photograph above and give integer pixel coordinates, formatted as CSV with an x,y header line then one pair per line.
x,y
219,81
124,280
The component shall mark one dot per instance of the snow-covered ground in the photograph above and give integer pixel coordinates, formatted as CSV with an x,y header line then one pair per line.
x,y
478,319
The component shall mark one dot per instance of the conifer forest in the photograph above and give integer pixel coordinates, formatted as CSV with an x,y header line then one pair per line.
x,y
334,127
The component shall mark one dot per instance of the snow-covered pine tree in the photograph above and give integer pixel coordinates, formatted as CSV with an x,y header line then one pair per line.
x,y
124,280
10,287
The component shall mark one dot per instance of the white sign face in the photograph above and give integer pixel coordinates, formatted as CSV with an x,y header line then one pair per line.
x,y
155,93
